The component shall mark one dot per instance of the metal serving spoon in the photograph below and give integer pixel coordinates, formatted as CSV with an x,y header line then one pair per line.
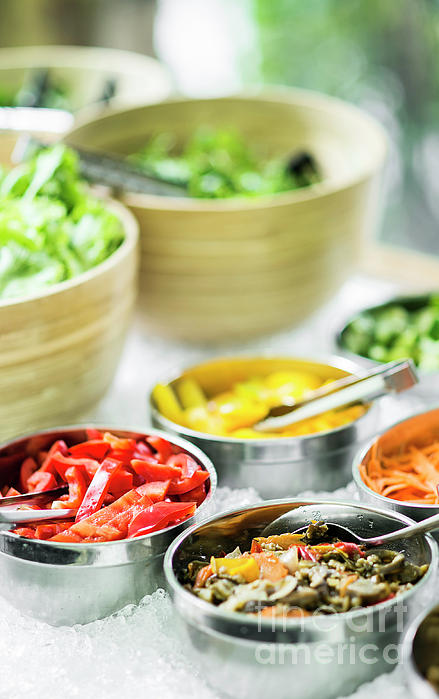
x,y
32,498
289,521
393,377
27,516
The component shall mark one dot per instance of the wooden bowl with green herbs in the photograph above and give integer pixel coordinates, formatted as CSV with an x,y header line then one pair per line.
x,y
68,273
252,249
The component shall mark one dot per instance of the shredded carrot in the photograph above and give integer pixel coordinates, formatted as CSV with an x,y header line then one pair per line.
x,y
410,475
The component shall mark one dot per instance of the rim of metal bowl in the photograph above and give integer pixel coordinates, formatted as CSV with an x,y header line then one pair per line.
x,y
334,361
403,300
108,552
361,453
286,624
410,667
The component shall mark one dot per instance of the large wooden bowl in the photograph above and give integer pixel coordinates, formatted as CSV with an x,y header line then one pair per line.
x,y
59,349
231,269
84,70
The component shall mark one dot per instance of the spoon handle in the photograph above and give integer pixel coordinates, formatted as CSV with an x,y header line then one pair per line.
x,y
427,525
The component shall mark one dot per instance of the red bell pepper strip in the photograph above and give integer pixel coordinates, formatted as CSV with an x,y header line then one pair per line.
x,y
197,495
93,449
41,480
77,489
152,471
27,532
120,484
349,548
162,447
256,547
121,521
306,553
119,443
155,490
58,447
184,485
11,492
143,450
92,433
62,463
98,488
159,516
28,467
50,529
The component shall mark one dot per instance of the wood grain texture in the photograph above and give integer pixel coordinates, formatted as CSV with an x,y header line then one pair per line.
x,y
59,350
232,269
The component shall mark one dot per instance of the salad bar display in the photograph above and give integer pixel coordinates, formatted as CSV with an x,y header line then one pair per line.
x,y
94,518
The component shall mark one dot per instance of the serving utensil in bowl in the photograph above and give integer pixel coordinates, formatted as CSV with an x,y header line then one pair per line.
x,y
292,522
64,583
393,377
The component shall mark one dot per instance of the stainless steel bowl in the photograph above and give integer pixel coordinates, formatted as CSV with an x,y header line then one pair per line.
x,y
320,656
275,467
399,433
77,583
415,656
428,386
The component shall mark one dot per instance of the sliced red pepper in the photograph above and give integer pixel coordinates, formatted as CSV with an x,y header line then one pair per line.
x,y
159,516
62,463
184,485
98,488
256,547
50,529
155,472
122,520
119,443
41,480
58,447
197,495
27,532
121,483
28,467
92,433
77,489
155,490
306,553
93,449
349,548
143,450
161,446
11,492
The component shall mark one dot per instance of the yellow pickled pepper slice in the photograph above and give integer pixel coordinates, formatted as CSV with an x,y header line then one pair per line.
x,y
246,567
167,403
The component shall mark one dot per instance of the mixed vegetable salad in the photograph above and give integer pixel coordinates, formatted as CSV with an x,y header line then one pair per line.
x,y
233,412
397,331
120,487
296,575
218,163
51,227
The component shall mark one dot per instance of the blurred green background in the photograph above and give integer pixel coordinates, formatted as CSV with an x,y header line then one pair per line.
x,y
379,54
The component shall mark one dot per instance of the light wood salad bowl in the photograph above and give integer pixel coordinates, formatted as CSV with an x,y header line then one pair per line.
x,y
59,349
219,270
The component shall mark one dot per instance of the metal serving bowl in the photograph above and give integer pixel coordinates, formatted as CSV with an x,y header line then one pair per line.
x,y
275,467
417,653
320,655
77,583
429,380
407,430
